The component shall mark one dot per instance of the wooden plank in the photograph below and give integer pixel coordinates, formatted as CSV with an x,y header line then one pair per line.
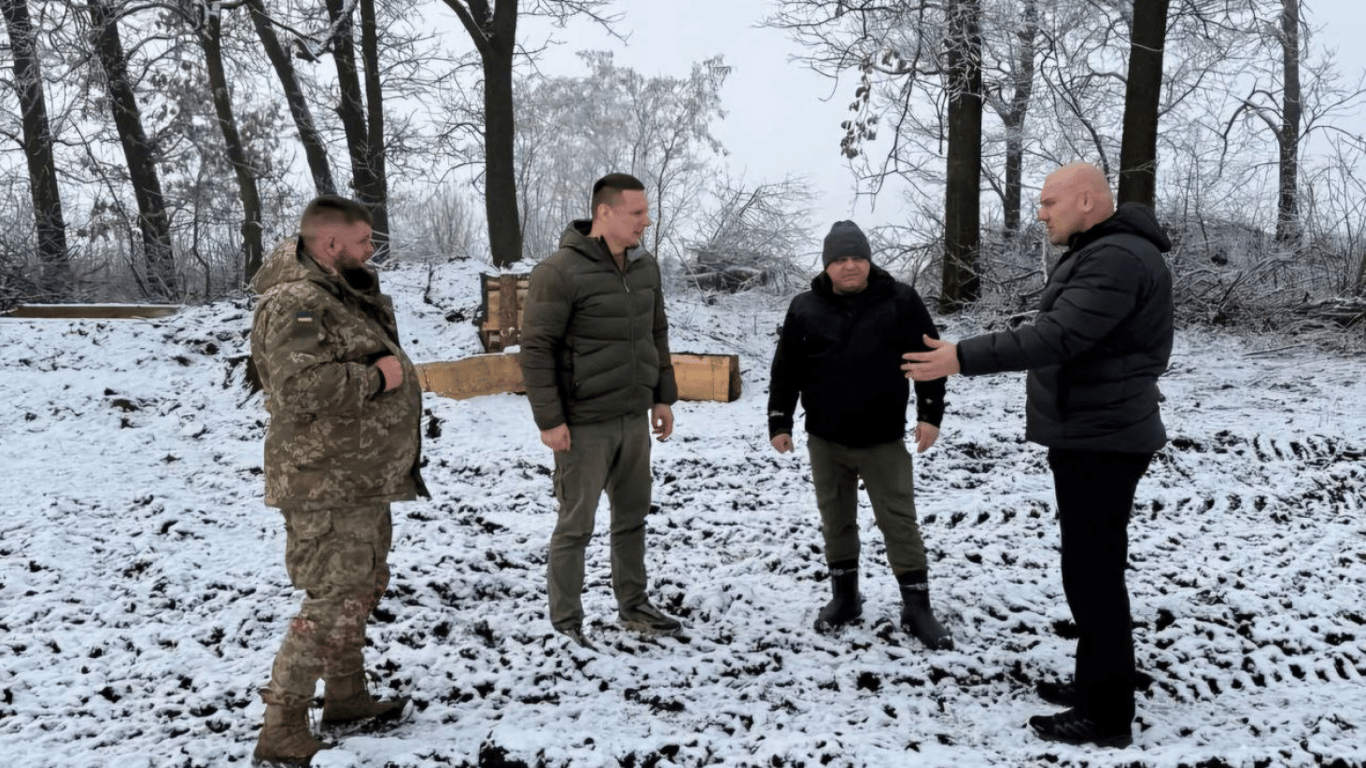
x,y
92,311
472,376
503,297
509,311
700,377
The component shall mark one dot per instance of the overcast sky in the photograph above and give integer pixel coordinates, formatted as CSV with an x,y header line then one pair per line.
x,y
784,119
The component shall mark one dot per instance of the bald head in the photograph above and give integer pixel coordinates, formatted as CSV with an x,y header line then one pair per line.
x,y
1074,198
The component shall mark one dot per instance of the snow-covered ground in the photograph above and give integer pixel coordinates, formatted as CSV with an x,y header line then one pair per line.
x,y
142,591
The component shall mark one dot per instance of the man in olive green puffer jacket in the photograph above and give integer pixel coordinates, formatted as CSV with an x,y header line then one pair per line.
x,y
595,360
343,442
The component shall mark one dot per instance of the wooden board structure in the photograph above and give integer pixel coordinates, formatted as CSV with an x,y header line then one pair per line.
x,y
700,377
92,311
707,377
504,296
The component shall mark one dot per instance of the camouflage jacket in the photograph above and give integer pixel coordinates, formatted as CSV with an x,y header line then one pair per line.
x,y
333,434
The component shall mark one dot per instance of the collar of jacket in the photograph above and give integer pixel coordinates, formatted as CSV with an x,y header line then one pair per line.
x,y
290,263
576,237
1129,218
879,283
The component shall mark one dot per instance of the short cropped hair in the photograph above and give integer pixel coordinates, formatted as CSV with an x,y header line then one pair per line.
x,y
332,209
609,188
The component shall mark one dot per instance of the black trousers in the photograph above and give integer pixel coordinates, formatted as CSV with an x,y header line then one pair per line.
x,y
1095,492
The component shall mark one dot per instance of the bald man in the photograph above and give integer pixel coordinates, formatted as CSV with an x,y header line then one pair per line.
x,y
1094,353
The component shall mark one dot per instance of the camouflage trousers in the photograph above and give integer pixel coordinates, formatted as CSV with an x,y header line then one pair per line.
x,y
338,555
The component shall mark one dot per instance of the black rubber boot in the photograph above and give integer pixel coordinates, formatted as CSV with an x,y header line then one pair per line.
x,y
917,618
847,604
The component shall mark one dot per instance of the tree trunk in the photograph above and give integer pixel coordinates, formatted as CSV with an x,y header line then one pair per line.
x,y
54,279
355,121
494,33
315,151
1142,100
210,28
1292,111
153,219
1022,80
505,228
377,195
962,203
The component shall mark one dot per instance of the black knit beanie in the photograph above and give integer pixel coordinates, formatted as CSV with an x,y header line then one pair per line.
x,y
845,239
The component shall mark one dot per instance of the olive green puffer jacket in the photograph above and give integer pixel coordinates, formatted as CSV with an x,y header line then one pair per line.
x,y
595,340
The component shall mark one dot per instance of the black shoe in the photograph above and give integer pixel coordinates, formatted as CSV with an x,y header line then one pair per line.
x,y
847,604
1059,693
649,619
1071,727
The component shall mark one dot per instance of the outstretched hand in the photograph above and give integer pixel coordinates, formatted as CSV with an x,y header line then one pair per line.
x,y
939,362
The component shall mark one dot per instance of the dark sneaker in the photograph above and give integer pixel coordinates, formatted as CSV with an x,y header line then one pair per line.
x,y
647,618
1059,693
1071,727
576,634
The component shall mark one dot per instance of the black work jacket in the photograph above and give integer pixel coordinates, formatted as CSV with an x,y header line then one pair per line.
x,y
1102,337
841,354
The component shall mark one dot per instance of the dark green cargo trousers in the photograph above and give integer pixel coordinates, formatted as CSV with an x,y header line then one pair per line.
x,y
888,473
611,456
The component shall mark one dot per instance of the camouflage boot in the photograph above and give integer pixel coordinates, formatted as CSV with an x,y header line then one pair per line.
x,y
346,700
285,737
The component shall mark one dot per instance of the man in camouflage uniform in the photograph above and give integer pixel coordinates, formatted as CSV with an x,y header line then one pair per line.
x,y
343,442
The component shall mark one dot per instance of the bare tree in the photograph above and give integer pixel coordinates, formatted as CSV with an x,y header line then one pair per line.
x,y
1142,100
492,27
315,150
54,277
207,23
962,195
753,235
1288,137
361,109
494,32
574,129
1013,110
153,218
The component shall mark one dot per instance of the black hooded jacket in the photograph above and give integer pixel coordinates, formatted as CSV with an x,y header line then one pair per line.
x,y
842,355
1101,339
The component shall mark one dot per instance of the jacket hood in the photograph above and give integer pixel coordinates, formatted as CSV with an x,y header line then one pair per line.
x,y
1130,218
575,236
285,264
288,264
878,279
